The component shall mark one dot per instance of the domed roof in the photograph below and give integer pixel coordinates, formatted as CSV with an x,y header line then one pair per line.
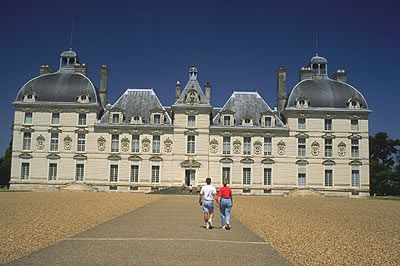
x,y
60,86
69,53
326,93
318,60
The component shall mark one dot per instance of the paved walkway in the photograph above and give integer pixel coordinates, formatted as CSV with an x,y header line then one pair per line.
x,y
168,231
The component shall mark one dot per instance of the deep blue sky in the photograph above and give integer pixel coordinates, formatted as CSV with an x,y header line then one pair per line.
x,y
238,46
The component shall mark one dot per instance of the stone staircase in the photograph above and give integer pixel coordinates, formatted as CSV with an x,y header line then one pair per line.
x,y
174,191
305,192
80,187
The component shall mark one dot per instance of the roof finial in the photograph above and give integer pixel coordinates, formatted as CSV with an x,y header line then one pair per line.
x,y
316,43
72,32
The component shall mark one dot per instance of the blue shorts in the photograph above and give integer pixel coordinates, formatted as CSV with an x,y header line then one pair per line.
x,y
208,206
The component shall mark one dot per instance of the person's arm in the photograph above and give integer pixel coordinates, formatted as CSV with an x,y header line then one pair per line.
x,y
216,199
231,196
200,199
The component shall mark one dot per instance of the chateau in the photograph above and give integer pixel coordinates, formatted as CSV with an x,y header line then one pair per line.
x,y
66,136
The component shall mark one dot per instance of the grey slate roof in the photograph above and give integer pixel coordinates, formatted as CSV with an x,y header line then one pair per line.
x,y
246,105
61,86
323,92
136,102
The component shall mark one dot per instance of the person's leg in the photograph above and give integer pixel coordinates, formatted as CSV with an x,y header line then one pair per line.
x,y
222,212
205,213
228,209
211,209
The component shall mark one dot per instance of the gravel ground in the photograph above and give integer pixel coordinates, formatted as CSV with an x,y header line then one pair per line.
x,y
30,221
316,231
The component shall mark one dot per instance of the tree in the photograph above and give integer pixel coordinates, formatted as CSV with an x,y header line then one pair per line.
x,y
383,152
5,166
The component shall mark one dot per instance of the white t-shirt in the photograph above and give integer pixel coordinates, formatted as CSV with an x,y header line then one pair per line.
x,y
208,192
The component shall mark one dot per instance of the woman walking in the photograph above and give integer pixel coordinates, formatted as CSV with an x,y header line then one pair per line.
x,y
225,204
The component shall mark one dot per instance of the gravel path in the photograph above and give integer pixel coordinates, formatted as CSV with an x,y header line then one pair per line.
x,y
30,221
315,231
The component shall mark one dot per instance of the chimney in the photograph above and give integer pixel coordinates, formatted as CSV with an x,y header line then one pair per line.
x,y
208,92
104,85
281,88
340,75
305,73
81,68
45,69
177,90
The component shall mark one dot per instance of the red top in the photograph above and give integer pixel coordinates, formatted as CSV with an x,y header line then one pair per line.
x,y
225,192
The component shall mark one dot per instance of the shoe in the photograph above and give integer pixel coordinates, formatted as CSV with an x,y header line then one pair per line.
x,y
210,225
227,227
223,227
207,225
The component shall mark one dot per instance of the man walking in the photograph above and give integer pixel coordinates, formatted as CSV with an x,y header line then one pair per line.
x,y
208,194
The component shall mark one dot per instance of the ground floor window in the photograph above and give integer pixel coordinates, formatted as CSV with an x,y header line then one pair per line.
x,y
52,171
226,173
301,175
355,177
267,176
79,172
246,176
155,174
114,173
25,171
328,177
134,173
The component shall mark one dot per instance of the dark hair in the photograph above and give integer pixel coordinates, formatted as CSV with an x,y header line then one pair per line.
x,y
225,181
208,180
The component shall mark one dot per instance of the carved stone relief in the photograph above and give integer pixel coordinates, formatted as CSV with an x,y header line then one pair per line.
x,y
257,147
145,145
67,143
237,146
341,149
125,144
281,147
40,142
214,146
168,145
192,98
101,143
315,148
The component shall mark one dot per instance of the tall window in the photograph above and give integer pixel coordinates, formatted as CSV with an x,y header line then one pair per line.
x,y
54,142
55,118
81,143
134,173
328,148
115,118
328,124
246,176
246,145
157,119
28,118
301,175
267,146
79,171
26,143
82,120
156,144
354,148
354,125
24,171
114,173
355,177
301,123
267,176
114,143
191,142
191,121
301,147
226,173
268,121
135,143
155,174
328,177
52,171
227,120
226,145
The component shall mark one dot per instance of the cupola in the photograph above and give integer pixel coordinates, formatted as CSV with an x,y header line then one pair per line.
x,y
68,59
319,65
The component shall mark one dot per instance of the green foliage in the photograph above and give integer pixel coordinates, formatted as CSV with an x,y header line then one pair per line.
x,y
5,166
384,174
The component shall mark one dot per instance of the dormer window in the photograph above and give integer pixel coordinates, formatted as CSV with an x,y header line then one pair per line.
x,y
353,103
83,98
30,97
302,103
136,119
157,119
115,118
227,120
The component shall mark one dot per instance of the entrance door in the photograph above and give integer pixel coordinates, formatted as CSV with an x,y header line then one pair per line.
x,y
190,177
302,180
